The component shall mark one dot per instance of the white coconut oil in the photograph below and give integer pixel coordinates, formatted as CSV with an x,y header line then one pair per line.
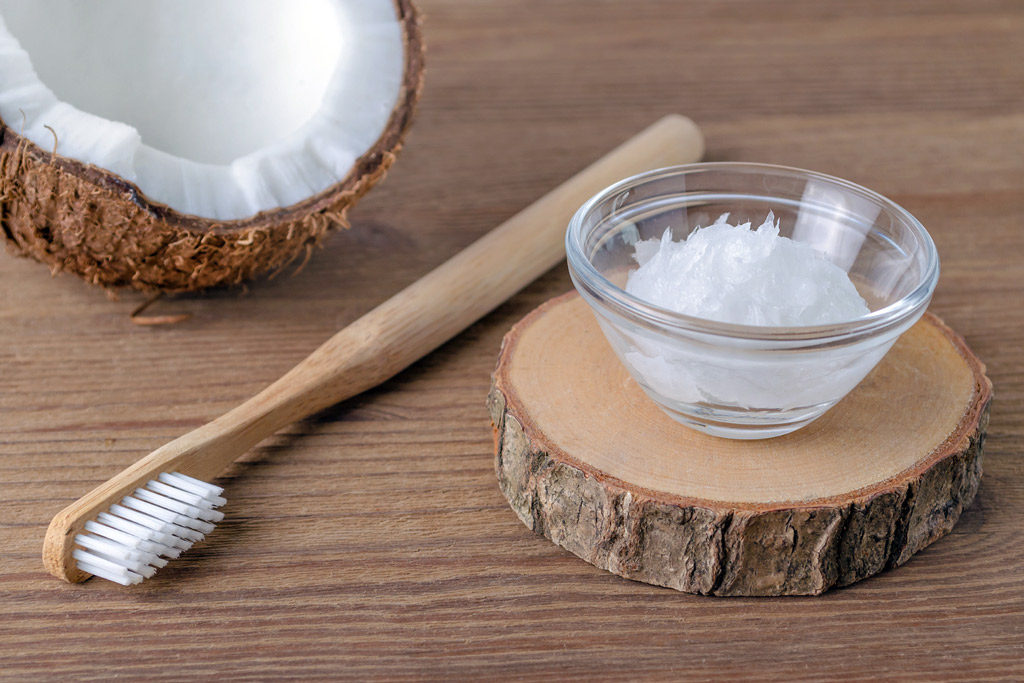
x,y
734,274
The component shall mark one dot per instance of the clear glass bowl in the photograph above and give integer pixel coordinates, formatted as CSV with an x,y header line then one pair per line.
x,y
743,381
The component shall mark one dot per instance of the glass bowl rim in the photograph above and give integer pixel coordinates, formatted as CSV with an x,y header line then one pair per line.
x,y
631,306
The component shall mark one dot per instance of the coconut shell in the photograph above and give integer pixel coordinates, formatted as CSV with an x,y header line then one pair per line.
x,y
85,220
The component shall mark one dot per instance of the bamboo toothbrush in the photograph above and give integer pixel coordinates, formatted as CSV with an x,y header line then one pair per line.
x,y
128,527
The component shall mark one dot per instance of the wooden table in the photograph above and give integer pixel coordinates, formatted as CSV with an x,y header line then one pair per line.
x,y
372,541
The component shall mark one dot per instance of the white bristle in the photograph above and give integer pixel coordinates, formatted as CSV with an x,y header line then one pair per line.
x,y
178,506
140,531
166,515
136,566
200,488
108,565
156,524
177,494
163,513
102,545
215,490
103,573
129,542
148,558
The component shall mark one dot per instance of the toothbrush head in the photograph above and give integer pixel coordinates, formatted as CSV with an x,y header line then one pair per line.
x,y
132,539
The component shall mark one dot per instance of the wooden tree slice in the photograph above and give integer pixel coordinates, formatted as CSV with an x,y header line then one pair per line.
x,y
587,459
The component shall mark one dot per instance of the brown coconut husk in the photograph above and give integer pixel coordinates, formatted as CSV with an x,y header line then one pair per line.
x,y
85,220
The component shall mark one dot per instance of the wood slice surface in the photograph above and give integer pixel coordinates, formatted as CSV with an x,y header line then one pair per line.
x,y
585,458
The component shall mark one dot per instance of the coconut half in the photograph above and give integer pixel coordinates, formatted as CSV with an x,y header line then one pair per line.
x,y
180,145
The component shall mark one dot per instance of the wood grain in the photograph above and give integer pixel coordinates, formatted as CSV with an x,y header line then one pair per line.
x,y
372,540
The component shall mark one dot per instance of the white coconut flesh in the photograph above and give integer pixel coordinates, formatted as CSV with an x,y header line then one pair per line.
x,y
217,108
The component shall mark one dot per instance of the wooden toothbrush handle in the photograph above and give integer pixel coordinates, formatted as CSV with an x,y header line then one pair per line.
x,y
430,311
447,300
390,337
